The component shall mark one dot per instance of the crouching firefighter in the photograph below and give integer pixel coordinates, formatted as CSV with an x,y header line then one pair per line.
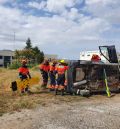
x,y
52,75
61,69
44,69
24,74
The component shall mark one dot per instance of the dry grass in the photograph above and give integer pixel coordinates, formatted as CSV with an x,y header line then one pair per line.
x,y
10,102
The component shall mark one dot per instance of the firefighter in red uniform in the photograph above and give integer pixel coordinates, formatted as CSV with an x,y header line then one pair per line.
x,y
45,68
61,69
24,74
52,75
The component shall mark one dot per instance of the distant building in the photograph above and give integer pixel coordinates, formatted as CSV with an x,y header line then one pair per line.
x,y
87,55
6,57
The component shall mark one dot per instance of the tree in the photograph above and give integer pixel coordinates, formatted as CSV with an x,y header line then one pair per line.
x,y
28,44
33,54
17,54
36,50
42,57
38,55
27,53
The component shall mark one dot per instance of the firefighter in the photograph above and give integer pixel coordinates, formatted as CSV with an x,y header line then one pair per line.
x,y
52,75
24,74
44,69
61,69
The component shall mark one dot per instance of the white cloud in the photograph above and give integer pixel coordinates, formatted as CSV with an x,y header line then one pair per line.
x,y
73,14
55,6
3,1
56,29
92,1
104,9
60,5
67,31
104,2
37,5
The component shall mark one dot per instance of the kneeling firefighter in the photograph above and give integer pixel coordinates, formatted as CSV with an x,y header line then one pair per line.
x,y
45,68
52,75
24,74
61,69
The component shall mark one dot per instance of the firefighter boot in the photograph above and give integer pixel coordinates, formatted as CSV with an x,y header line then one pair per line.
x,y
56,89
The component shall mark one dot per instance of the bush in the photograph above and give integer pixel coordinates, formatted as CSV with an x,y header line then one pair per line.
x,y
31,65
14,65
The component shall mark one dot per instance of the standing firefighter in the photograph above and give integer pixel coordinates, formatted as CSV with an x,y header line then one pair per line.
x,y
44,68
61,69
52,76
24,74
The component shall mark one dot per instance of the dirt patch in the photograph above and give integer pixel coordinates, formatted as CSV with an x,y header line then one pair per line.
x,y
96,112
10,102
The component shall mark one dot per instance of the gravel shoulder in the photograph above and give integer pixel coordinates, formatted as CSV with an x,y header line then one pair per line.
x,y
96,112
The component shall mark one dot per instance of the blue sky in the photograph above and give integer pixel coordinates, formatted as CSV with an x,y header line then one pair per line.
x,y
63,27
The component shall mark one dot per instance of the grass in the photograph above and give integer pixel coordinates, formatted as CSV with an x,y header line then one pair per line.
x,y
10,102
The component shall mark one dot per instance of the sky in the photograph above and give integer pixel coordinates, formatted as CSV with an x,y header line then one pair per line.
x,y
62,27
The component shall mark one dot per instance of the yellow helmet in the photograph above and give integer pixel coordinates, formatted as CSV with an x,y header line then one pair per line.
x,y
62,61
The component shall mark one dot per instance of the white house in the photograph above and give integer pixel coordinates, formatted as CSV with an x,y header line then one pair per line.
x,y
6,57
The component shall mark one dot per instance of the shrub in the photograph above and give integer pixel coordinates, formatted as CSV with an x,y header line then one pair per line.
x,y
14,65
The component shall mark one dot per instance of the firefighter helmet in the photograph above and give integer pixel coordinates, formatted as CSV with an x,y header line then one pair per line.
x,y
24,61
62,61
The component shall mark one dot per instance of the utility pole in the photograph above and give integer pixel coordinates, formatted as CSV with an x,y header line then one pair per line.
x,y
14,42
13,46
